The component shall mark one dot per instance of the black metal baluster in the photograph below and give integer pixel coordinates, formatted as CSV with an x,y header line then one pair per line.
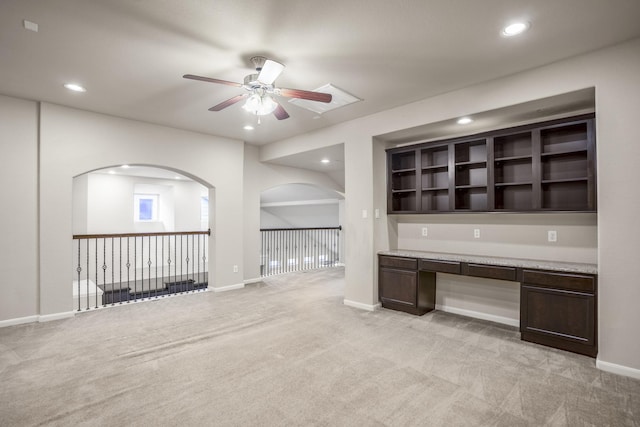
x,y
119,284
162,267
156,253
169,261
113,268
79,270
149,264
128,265
104,267
142,264
193,264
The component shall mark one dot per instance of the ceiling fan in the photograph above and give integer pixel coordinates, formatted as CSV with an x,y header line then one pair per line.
x,y
260,88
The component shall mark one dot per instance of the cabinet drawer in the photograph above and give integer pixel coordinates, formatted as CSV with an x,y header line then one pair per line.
x,y
491,271
452,267
398,262
569,281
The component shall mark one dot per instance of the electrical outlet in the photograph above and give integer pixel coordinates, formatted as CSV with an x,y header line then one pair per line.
x,y
424,231
235,268
476,233
364,214
552,236
377,213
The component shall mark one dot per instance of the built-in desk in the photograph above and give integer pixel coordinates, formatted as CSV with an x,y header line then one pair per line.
x,y
558,300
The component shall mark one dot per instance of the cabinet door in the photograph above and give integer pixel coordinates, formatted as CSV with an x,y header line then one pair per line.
x,y
559,318
398,287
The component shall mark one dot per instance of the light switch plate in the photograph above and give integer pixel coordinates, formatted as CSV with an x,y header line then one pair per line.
x,y
552,236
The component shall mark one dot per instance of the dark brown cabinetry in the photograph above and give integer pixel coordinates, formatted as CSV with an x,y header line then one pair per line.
x,y
557,308
547,166
402,287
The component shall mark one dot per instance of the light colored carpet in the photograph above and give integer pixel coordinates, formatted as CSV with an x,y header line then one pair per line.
x,y
287,352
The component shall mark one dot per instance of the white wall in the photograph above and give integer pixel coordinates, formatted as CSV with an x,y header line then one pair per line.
x,y
615,74
107,202
19,213
258,177
300,216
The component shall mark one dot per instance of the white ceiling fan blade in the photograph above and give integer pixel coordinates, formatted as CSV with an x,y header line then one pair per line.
x,y
270,72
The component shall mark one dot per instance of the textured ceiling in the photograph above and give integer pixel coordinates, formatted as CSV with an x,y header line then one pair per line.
x,y
131,55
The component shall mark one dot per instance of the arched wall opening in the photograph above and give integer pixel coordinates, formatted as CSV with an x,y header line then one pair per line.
x,y
300,228
140,232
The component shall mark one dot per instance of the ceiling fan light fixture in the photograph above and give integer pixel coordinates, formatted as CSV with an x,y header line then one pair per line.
x,y
260,105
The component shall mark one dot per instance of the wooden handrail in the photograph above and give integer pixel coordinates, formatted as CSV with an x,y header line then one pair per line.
x,y
106,236
296,229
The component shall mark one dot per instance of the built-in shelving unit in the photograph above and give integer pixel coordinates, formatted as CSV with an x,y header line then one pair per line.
x,y
547,166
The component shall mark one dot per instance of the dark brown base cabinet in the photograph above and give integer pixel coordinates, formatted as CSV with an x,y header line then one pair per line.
x,y
402,287
557,309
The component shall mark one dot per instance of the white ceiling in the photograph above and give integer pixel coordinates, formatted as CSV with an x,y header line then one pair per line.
x,y
131,55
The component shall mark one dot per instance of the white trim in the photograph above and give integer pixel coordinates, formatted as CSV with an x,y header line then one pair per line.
x,y
618,369
18,321
255,280
362,306
56,316
479,315
229,288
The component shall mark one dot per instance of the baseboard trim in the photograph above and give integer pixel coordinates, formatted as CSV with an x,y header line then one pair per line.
x,y
56,316
229,288
18,321
255,280
618,369
479,315
361,306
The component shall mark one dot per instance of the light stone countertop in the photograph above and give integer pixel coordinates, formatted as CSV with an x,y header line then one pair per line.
x,y
570,267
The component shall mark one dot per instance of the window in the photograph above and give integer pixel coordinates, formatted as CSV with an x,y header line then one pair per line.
x,y
145,207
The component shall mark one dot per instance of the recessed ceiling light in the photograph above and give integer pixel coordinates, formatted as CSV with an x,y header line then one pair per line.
x,y
177,177
515,29
465,120
248,127
125,166
325,161
111,172
75,87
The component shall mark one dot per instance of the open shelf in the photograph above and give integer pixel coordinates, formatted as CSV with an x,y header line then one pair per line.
x,y
435,200
471,174
565,167
571,137
471,198
565,196
403,161
515,145
404,201
514,197
518,169
403,180
435,178
471,151
435,157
